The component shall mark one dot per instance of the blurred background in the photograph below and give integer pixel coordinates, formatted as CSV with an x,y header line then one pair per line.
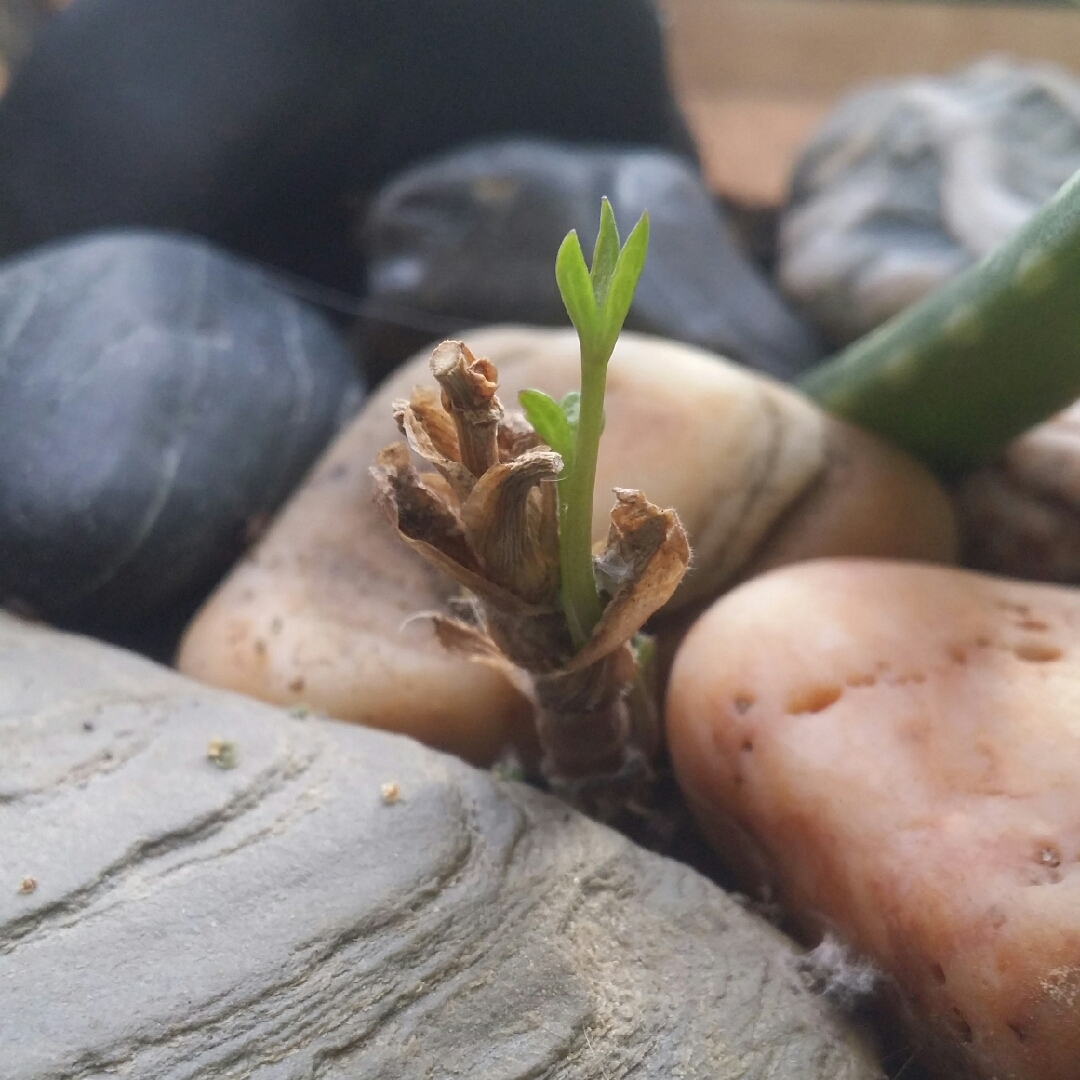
x,y
756,77
854,156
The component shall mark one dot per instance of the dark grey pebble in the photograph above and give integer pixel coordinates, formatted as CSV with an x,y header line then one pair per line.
x,y
266,125
158,401
470,238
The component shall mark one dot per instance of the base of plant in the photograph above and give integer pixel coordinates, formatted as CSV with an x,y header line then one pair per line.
x,y
488,516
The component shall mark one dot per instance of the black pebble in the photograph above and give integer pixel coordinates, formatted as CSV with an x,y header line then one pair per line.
x,y
157,398
471,238
266,124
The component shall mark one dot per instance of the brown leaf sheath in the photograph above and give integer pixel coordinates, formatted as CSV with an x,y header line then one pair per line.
x,y
489,518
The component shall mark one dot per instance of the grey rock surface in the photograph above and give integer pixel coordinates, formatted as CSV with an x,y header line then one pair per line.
x,y
908,183
470,239
158,400
283,919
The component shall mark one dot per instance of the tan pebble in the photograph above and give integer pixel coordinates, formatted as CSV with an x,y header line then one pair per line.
x,y
27,885
390,792
327,601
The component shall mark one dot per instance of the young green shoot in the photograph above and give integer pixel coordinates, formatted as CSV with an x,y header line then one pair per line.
x,y
597,302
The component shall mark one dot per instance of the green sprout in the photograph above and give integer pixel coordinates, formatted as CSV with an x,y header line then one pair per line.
x,y
597,302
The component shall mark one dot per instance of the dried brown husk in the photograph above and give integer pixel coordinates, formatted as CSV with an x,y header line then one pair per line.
x,y
488,516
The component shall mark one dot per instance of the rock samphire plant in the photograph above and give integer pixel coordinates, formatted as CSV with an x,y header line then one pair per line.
x,y
507,513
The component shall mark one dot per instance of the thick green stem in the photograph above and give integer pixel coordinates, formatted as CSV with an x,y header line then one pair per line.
x,y
580,600
959,374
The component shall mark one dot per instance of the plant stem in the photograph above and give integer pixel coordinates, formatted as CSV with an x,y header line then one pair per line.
x,y
956,376
580,600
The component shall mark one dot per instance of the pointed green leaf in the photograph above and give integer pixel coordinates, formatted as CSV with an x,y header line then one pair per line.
x,y
605,254
550,423
610,291
620,294
575,286
571,406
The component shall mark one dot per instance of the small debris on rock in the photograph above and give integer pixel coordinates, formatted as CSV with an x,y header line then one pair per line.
x,y
390,792
88,725
509,767
222,753
27,885
835,970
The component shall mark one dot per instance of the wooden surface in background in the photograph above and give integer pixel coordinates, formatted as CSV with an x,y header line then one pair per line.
x,y
756,76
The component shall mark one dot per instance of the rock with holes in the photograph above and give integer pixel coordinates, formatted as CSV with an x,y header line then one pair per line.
x,y
471,238
267,126
324,611
194,884
894,752
908,183
158,400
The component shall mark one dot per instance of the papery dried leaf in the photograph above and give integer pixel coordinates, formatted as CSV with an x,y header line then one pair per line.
x,y
511,520
540,642
464,639
415,510
426,402
431,527
437,484
473,644
516,436
469,386
583,718
647,548
427,524
432,434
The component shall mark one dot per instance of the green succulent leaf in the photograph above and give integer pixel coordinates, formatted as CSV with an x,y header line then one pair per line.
x,y
575,286
598,302
551,422
605,254
624,280
956,376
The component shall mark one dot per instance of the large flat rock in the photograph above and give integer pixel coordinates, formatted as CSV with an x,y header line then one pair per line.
x,y
285,919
